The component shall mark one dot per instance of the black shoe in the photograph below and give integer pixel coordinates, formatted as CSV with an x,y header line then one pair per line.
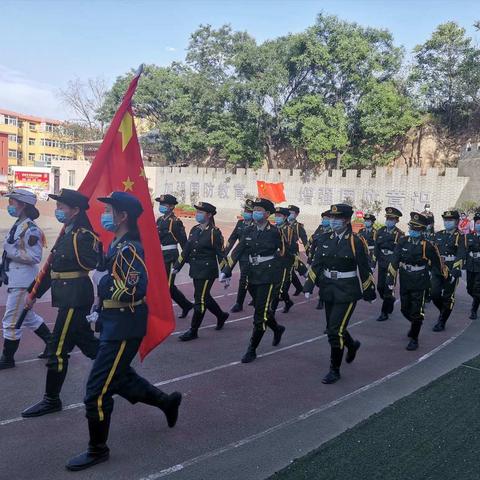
x,y
250,356
170,408
439,326
352,351
221,321
44,354
236,308
288,305
46,406
325,332
185,311
7,360
6,363
188,335
297,292
412,344
382,317
320,305
277,335
473,315
331,377
93,456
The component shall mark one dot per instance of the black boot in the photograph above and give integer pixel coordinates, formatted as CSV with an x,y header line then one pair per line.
x,y
277,335
221,320
44,333
352,351
440,325
251,353
167,403
186,311
383,316
473,312
190,334
51,402
236,308
333,375
320,304
9,348
288,305
412,344
97,451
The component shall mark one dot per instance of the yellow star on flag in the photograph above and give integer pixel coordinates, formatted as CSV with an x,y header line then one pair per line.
x,y
126,129
128,185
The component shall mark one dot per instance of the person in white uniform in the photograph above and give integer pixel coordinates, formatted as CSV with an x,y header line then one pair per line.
x,y
23,247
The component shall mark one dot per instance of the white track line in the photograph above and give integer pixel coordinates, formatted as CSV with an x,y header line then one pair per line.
x,y
234,445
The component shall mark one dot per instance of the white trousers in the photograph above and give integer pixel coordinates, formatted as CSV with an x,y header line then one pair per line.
x,y
15,302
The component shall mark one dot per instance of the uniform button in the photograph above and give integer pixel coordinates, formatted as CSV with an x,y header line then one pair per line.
x,y
64,283
122,309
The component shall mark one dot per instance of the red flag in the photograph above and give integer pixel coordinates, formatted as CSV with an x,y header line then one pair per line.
x,y
272,191
118,166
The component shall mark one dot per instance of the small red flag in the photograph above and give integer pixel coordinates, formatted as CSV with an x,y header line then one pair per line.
x,y
118,166
272,191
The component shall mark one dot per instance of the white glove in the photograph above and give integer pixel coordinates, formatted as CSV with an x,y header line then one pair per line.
x,y
97,276
92,318
174,271
222,277
307,295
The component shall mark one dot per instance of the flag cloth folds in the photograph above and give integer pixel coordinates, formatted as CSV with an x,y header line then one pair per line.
x,y
118,166
272,191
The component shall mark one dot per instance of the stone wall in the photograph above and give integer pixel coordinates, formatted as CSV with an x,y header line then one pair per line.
x,y
313,194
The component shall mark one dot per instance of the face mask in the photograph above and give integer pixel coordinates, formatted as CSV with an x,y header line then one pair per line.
x,y
477,227
12,211
200,217
415,233
258,216
279,221
291,217
325,222
449,224
107,222
60,216
390,223
247,216
337,224
368,223
163,209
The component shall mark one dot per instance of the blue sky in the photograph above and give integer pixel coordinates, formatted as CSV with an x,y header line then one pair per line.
x,y
47,43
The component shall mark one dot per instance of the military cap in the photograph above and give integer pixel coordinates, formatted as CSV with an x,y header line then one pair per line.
x,y
476,215
393,212
369,216
264,203
293,208
248,205
206,207
341,210
27,197
326,213
167,199
418,220
282,211
124,202
451,215
72,198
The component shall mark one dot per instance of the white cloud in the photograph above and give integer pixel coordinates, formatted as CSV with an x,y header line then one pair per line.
x,y
170,49
25,96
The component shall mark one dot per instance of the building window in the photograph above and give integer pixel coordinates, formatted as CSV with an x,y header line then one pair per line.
x,y
31,141
11,120
19,139
12,154
31,157
12,138
32,127
71,178
50,127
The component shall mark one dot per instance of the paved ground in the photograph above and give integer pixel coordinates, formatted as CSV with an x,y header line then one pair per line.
x,y
240,421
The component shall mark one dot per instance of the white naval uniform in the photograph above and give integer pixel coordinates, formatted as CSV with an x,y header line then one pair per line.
x,y
25,254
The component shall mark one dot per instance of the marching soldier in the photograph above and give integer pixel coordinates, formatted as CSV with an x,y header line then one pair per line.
x,y
340,255
472,264
203,251
172,233
75,254
288,260
236,235
301,236
23,248
451,246
386,241
264,245
414,256
369,234
122,323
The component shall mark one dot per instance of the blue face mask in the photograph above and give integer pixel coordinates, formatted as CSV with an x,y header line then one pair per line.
x,y
414,233
337,224
449,225
163,209
477,227
279,221
291,217
12,211
325,222
60,216
200,217
107,222
247,216
258,216
390,223
368,223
